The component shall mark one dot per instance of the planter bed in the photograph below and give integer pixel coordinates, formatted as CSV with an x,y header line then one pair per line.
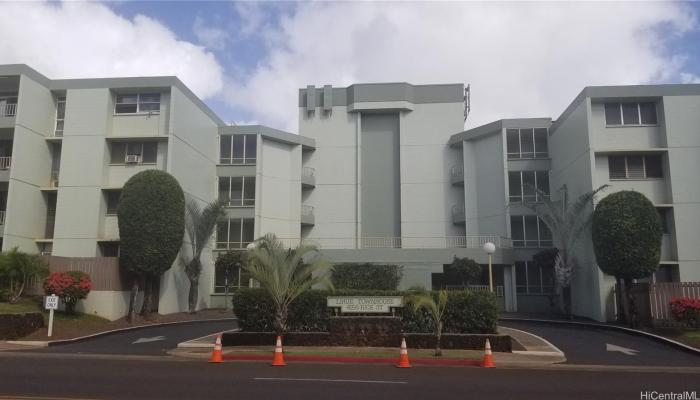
x,y
500,343
15,326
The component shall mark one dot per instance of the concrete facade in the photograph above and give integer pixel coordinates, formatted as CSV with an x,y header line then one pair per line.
x,y
381,173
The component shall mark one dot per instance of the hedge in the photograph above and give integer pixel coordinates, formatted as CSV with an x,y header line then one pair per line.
x,y
366,276
467,312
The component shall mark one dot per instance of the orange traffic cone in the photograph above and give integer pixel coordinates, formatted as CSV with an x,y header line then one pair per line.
x,y
487,362
403,356
216,355
278,360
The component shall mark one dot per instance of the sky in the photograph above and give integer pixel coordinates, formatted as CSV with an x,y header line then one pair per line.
x,y
247,60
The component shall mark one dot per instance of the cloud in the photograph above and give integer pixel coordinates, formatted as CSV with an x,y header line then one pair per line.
x,y
82,40
209,36
689,78
522,59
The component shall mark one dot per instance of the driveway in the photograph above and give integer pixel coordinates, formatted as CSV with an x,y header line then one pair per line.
x,y
586,345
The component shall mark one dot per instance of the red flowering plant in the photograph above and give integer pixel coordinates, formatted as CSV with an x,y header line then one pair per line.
x,y
69,286
687,310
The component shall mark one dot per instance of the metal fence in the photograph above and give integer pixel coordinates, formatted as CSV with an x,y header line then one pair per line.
x,y
660,294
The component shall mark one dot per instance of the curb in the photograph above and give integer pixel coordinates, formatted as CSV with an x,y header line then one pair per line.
x,y
353,360
661,339
111,332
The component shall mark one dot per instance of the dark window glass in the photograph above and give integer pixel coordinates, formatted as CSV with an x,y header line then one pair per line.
x,y
249,191
513,143
635,167
527,144
222,233
118,153
529,193
514,186
112,201
250,147
521,276
652,165
236,191
616,167
663,218
630,114
248,231
126,104
612,114
543,182
225,149
150,152
534,281
541,143
545,235
224,185
109,249
238,148
517,231
648,113
149,102
235,231
134,149
531,232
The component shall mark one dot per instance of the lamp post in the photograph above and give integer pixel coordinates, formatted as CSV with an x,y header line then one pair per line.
x,y
490,248
248,248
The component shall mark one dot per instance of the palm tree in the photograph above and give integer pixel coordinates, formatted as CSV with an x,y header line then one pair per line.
x,y
199,225
286,273
425,300
566,222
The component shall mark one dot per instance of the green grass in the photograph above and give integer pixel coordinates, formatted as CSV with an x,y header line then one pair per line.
x,y
29,305
25,305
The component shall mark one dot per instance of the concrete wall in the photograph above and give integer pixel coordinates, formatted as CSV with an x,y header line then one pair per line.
x,y
191,159
490,176
31,166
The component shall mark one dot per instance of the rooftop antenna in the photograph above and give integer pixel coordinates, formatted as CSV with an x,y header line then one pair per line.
x,y
467,101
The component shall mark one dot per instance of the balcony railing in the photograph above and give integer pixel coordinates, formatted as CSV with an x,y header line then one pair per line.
x,y
239,245
230,202
445,242
308,176
307,215
458,214
5,162
8,110
2,217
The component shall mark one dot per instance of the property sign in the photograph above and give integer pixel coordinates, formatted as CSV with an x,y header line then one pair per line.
x,y
364,304
52,302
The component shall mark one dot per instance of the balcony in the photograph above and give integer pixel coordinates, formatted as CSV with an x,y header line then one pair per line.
x,y
308,177
5,163
458,215
668,248
307,215
446,242
8,110
457,175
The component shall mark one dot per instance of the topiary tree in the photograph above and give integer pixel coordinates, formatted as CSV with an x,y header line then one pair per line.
x,y
199,225
151,228
227,264
367,276
69,286
627,241
463,270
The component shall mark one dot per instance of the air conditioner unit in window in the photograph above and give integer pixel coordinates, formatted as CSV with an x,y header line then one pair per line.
x,y
133,158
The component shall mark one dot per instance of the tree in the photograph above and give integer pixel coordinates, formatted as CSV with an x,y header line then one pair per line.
x,y
227,264
566,222
151,228
548,260
627,241
17,269
286,273
436,309
463,270
199,225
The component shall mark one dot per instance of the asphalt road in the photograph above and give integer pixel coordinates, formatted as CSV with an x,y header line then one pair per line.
x,y
584,345
32,375
158,339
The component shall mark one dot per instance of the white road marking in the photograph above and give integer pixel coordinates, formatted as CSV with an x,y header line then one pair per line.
x,y
149,339
329,380
623,350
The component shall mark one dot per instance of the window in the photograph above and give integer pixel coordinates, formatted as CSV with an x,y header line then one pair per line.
x,y
635,167
234,233
137,103
112,197
60,115
238,149
237,191
109,249
529,231
522,184
617,114
526,143
530,278
134,152
664,216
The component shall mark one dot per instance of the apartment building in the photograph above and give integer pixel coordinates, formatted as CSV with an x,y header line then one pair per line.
x,y
378,173
68,147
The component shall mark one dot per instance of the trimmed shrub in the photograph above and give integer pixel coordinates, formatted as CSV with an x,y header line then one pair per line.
x,y
69,286
686,310
467,312
366,276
